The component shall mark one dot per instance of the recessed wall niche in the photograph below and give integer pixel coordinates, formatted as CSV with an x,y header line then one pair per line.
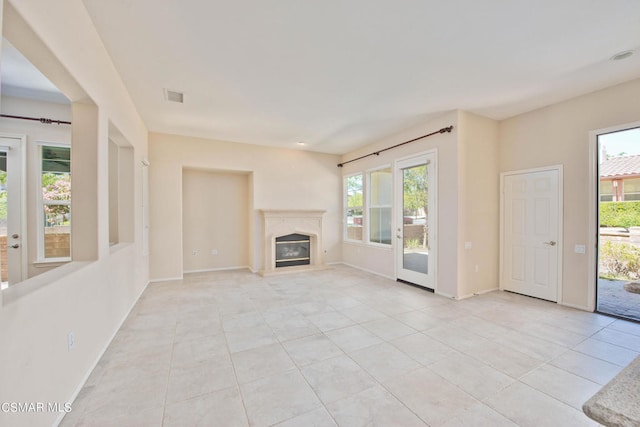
x,y
121,192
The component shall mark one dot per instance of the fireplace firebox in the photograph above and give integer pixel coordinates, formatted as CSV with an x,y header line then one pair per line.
x,y
293,249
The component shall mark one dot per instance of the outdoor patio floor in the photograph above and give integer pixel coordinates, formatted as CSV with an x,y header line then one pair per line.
x,y
613,299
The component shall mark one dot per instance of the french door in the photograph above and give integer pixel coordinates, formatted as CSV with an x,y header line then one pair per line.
x,y
416,219
11,178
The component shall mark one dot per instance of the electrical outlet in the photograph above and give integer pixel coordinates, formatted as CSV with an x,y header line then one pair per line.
x,y
214,252
580,249
70,341
468,245
195,253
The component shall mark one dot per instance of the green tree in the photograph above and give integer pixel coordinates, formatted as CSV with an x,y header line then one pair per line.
x,y
56,187
416,191
354,193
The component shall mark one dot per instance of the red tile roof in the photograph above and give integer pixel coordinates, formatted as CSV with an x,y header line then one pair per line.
x,y
620,166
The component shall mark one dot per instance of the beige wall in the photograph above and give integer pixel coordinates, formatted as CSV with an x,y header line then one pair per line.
x,y
215,218
468,202
382,260
478,203
281,179
559,134
89,298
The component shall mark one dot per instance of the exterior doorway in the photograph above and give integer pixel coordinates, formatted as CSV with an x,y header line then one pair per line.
x,y
618,222
415,220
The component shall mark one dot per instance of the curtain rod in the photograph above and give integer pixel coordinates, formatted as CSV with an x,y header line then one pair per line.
x,y
35,119
377,153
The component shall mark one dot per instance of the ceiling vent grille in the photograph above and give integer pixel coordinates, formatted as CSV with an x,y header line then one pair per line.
x,y
173,96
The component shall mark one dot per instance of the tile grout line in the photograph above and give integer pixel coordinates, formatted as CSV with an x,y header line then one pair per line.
x,y
235,373
166,389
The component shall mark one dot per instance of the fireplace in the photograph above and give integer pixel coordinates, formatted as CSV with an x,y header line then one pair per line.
x,y
291,238
293,249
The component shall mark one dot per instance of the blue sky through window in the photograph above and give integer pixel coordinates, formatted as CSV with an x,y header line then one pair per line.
x,y
616,143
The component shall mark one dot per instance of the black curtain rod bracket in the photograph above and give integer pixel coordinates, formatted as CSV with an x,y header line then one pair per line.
x,y
36,119
377,153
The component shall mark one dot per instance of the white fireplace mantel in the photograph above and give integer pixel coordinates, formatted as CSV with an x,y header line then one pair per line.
x,y
278,222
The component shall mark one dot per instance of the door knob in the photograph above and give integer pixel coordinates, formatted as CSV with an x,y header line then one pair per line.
x,y
14,246
14,236
551,243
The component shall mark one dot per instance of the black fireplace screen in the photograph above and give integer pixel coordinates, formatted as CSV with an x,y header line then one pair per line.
x,y
292,250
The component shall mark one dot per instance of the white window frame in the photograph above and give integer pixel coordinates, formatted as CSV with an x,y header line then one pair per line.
x,y
40,206
346,207
368,205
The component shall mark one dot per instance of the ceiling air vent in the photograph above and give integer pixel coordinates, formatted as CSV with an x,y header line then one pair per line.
x,y
173,96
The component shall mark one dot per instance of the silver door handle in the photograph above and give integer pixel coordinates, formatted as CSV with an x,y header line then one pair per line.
x,y
14,246
551,243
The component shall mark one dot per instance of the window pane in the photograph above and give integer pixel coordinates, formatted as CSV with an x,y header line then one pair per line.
x,y
380,197
381,187
354,207
606,187
380,225
56,201
57,231
631,186
56,187
56,159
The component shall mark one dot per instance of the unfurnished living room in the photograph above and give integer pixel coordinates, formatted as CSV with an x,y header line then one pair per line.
x,y
306,213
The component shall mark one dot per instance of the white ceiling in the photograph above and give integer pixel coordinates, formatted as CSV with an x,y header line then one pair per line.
x,y
338,74
21,79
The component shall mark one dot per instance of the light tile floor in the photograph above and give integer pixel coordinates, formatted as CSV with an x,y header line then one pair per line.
x,y
344,347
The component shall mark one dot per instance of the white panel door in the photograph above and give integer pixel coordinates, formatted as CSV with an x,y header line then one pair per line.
x,y
531,227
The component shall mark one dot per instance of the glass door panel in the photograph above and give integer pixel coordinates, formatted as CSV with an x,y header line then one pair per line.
x,y
415,205
415,211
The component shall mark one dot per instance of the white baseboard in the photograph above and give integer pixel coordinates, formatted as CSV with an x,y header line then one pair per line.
x,y
208,270
486,291
475,294
442,294
166,279
365,270
577,307
104,349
